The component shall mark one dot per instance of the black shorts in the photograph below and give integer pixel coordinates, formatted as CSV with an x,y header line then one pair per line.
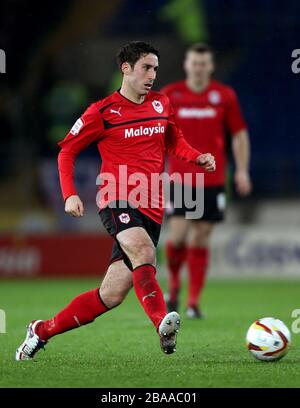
x,y
214,204
116,220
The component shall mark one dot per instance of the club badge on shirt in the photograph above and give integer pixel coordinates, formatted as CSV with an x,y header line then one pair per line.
x,y
157,105
214,97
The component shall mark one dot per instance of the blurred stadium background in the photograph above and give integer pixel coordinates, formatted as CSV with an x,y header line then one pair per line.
x,y
60,57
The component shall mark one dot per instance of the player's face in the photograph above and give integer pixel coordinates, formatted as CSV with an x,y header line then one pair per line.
x,y
198,66
141,78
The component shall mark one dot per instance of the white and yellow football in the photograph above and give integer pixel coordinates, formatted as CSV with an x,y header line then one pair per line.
x,y
268,339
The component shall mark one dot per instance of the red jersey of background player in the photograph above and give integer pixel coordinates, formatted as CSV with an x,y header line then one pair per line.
x,y
127,133
204,118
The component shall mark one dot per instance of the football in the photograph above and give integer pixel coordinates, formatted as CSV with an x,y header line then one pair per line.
x,y
268,339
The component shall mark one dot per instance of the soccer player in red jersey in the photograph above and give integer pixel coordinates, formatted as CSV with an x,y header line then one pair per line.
x,y
204,109
133,128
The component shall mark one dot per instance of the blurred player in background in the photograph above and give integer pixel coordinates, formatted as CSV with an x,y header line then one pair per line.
x,y
205,110
133,127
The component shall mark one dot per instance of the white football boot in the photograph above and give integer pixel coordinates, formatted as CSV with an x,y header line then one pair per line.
x,y
193,312
32,343
168,329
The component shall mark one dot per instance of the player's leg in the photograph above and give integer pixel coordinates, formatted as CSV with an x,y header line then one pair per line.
x,y
198,247
83,309
176,252
116,284
140,250
136,237
197,261
87,306
128,226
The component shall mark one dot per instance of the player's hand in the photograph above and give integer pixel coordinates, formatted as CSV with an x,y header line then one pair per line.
x,y
242,183
74,206
207,161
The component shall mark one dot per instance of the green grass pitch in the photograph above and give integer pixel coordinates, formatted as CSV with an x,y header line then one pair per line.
x,y
121,348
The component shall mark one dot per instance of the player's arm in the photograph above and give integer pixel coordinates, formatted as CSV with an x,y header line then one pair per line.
x,y
240,144
176,144
86,130
241,154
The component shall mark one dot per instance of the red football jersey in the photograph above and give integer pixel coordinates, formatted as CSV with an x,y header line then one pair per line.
x,y
204,118
127,134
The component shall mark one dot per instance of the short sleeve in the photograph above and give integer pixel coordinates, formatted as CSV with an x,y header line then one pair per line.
x,y
234,119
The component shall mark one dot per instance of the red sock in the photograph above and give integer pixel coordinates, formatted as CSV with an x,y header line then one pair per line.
x,y
175,259
149,293
197,259
82,310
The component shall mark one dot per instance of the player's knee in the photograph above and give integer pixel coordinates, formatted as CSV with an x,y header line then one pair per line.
x,y
198,240
112,297
115,300
200,236
145,254
177,242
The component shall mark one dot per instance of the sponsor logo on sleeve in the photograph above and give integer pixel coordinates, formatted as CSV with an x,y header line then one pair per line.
x,y
77,127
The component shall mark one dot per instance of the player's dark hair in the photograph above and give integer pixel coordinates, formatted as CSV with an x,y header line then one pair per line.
x,y
133,51
201,48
